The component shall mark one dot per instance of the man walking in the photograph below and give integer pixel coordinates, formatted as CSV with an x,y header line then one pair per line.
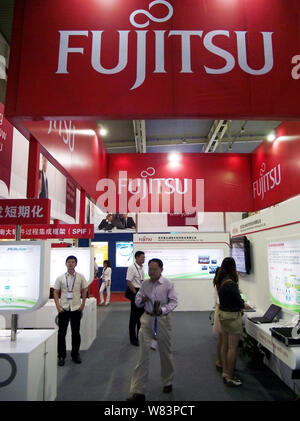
x,y
134,278
157,295
72,285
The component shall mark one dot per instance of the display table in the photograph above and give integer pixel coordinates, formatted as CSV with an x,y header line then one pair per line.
x,y
45,318
28,366
284,360
290,355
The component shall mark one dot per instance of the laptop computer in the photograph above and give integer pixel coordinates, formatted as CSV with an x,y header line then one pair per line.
x,y
269,315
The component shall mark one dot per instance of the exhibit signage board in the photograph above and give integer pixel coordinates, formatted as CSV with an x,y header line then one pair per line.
x,y
48,231
275,170
24,275
185,256
58,231
85,262
264,221
186,237
284,273
166,58
24,211
215,182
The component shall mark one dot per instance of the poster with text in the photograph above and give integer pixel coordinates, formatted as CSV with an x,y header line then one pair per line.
x,y
179,263
284,273
19,276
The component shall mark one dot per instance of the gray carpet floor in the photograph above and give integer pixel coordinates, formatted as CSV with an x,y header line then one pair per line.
x,y
107,366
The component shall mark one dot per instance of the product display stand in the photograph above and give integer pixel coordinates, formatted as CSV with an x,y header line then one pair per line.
x,y
28,366
45,318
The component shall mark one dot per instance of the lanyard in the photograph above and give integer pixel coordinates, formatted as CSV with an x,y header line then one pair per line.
x,y
73,281
155,326
138,272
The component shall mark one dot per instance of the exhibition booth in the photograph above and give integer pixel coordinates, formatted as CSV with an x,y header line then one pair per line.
x,y
189,215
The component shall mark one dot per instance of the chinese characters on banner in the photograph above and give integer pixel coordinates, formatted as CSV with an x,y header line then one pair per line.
x,y
48,231
24,211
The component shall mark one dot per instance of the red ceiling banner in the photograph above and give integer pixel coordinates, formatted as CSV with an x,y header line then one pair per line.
x,y
76,146
6,141
165,58
197,182
275,167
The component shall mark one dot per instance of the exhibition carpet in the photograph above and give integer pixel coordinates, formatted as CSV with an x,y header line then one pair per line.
x,y
107,366
118,297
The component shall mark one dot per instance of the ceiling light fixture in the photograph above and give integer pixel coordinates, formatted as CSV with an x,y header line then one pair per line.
x,y
103,131
271,136
174,158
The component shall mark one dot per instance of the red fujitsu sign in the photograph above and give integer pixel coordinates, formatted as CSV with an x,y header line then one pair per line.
x,y
275,167
198,182
165,58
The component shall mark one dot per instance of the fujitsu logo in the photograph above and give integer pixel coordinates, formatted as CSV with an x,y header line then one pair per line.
x,y
142,39
66,130
145,239
267,181
148,194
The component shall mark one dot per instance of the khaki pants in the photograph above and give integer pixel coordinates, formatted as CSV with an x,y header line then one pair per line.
x,y
140,374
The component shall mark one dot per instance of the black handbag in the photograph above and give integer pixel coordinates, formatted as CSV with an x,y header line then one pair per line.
x,y
129,294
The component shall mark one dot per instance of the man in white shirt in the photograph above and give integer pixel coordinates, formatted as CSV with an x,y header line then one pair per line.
x,y
72,285
134,278
158,296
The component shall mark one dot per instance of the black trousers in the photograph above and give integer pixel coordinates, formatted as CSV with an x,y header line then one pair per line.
x,y
134,320
63,322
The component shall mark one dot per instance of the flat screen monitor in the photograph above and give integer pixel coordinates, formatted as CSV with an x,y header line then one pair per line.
x,y
240,252
284,273
85,262
124,253
100,251
24,275
183,263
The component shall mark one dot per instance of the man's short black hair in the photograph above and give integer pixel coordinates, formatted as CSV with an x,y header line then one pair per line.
x,y
138,254
71,257
158,261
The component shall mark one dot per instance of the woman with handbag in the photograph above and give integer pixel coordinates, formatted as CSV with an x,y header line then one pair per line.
x,y
106,282
230,316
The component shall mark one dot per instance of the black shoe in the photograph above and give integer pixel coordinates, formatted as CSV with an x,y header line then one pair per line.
x,y
61,362
137,397
77,359
168,389
135,343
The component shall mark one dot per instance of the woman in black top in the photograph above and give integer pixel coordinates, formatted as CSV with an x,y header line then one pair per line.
x,y
231,304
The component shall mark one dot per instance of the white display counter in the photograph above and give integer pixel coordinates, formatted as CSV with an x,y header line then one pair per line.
x,y
284,360
28,366
290,355
45,317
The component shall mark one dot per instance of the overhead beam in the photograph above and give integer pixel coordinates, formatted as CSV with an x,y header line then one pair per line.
x,y
139,127
175,142
216,133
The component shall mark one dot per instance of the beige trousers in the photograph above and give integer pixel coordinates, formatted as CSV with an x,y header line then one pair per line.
x,y
140,374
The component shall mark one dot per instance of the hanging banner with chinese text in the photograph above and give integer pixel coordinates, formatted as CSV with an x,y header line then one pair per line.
x,y
24,211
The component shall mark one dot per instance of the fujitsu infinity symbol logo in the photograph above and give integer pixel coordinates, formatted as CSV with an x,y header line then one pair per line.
x,y
151,17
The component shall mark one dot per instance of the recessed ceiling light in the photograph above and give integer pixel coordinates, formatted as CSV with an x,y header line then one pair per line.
x,y
103,131
271,136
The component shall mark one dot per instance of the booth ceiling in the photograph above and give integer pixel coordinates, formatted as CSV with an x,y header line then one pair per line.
x,y
140,136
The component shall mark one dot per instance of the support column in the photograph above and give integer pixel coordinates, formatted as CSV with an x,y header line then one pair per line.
x,y
33,169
